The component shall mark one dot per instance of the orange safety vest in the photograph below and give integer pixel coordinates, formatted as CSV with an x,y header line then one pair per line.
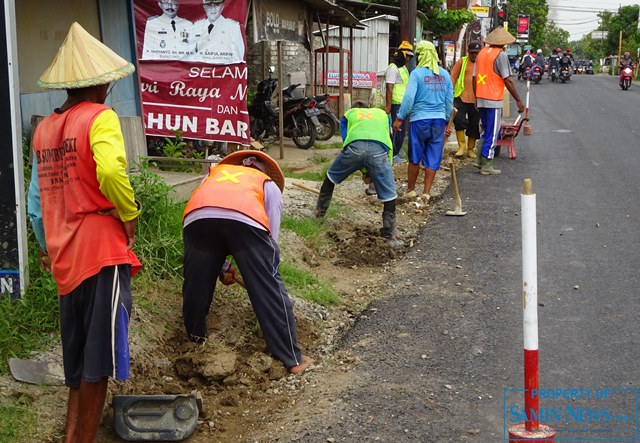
x,y
80,242
237,188
489,85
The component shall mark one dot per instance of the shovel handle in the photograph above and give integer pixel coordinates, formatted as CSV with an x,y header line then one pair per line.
x,y
454,181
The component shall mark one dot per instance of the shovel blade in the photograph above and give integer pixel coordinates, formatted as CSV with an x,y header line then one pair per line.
x,y
457,211
36,372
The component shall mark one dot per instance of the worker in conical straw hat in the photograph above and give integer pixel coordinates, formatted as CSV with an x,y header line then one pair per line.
x,y
492,74
83,211
429,103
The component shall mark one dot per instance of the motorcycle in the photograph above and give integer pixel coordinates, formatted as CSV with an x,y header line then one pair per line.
x,y
554,74
300,115
524,74
329,122
565,74
536,74
625,78
589,69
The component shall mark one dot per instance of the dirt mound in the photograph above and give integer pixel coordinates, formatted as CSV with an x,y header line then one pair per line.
x,y
241,385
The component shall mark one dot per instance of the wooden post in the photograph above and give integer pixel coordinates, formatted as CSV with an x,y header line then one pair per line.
x,y
280,101
340,75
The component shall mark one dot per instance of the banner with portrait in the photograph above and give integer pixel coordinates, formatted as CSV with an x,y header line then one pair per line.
x,y
192,68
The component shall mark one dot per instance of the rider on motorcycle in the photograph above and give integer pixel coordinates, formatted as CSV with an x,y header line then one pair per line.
x,y
554,60
539,61
565,60
525,63
625,62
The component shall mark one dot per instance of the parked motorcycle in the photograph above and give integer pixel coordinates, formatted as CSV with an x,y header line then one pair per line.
x,y
536,74
300,115
625,78
565,74
329,122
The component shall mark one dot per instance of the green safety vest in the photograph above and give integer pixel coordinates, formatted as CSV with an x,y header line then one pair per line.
x,y
400,88
369,124
459,86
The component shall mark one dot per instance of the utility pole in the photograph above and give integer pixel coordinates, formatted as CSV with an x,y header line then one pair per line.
x,y
408,13
619,50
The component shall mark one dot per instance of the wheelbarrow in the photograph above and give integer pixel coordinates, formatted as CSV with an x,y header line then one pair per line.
x,y
508,133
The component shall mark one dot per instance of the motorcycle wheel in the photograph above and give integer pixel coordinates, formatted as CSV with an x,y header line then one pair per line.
x,y
536,80
328,127
257,128
627,83
304,134
564,80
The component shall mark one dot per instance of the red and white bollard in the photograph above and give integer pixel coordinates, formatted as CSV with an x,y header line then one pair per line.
x,y
531,429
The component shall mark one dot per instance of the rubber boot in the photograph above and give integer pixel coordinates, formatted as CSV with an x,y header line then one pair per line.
x,y
471,148
371,190
388,230
487,167
462,144
324,200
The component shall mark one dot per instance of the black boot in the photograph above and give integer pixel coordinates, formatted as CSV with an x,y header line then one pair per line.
x,y
388,230
324,199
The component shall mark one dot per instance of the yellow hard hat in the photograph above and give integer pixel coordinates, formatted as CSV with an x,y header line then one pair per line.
x,y
406,48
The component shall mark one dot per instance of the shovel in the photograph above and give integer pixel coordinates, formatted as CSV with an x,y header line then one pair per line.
x,y
36,372
458,209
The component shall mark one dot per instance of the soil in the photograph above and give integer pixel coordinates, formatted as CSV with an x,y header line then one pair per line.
x,y
243,389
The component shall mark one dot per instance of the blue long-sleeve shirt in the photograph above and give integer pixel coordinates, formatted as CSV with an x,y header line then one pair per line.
x,y
428,95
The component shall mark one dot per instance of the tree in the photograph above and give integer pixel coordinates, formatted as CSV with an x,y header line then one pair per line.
x,y
625,20
555,37
440,22
538,10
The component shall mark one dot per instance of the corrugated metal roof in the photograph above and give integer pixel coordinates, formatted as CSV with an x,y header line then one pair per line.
x,y
365,9
336,15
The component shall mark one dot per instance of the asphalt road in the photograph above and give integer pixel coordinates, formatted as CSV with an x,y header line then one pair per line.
x,y
439,351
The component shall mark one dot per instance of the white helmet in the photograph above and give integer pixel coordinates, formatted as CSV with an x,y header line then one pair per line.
x,y
539,51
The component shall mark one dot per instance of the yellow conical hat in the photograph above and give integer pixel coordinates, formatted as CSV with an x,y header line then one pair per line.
x,y
83,61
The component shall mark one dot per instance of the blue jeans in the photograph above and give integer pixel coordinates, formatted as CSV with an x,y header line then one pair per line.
x,y
365,154
398,136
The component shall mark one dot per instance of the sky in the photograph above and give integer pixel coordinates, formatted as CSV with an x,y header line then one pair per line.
x,y
580,17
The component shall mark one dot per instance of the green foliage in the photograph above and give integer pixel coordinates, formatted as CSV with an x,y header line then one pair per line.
x,y
159,231
625,21
29,323
442,22
439,21
173,148
538,10
17,420
555,37
317,176
309,228
305,285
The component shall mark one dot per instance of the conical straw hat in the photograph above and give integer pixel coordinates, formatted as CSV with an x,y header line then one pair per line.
x,y
499,37
273,169
83,61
